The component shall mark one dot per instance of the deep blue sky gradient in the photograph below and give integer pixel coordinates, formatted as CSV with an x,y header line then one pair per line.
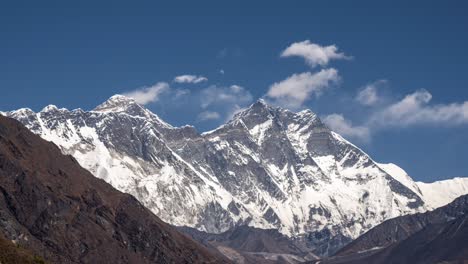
x,y
77,54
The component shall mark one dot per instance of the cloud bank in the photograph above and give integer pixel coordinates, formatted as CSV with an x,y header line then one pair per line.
x,y
412,110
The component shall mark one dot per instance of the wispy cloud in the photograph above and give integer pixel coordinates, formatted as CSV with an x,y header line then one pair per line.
x,y
314,54
188,78
339,124
149,94
298,88
181,93
414,109
214,103
208,115
369,94
229,52
220,95
224,100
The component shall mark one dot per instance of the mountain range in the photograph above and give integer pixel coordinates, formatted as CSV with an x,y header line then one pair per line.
x,y
266,168
52,209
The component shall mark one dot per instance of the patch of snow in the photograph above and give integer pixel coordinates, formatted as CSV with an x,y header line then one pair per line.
x,y
400,175
258,131
440,193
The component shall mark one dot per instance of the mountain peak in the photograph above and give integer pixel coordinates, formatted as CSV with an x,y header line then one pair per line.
x,y
52,108
123,104
261,111
49,108
120,98
259,108
22,112
116,103
261,102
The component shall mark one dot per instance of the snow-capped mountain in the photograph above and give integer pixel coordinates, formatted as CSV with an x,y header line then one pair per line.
x,y
435,194
268,168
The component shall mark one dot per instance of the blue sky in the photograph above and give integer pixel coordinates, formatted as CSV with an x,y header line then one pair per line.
x,y
392,80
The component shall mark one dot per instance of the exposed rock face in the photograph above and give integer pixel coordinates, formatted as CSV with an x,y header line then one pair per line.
x,y
51,205
268,168
400,228
438,236
253,245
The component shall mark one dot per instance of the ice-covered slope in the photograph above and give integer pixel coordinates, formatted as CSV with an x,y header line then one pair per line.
x,y
119,142
435,194
440,193
291,171
268,168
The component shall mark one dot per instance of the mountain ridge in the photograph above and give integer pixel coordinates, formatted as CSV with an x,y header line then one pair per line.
x,y
437,236
267,167
59,210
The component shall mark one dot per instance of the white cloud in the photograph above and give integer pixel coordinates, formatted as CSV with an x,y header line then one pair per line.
x,y
221,71
181,92
339,124
414,109
149,94
298,88
236,88
187,78
233,111
369,94
208,115
226,101
232,95
314,54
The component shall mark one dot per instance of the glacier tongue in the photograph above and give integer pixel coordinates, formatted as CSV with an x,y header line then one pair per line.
x,y
268,168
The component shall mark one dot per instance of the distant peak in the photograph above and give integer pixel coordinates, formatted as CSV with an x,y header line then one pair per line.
x,y
123,104
49,108
261,101
306,112
259,104
120,97
258,109
116,103
22,112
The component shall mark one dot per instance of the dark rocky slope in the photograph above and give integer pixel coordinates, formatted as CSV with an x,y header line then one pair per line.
x,y
11,253
400,228
439,236
57,209
253,245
